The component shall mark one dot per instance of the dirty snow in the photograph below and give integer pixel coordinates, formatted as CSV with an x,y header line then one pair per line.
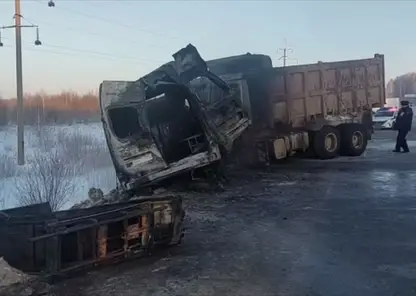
x,y
99,172
10,275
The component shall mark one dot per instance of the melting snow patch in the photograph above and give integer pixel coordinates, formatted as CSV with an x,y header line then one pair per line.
x,y
202,216
286,183
10,275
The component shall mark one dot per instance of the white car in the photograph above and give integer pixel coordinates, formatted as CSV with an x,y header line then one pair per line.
x,y
374,110
384,117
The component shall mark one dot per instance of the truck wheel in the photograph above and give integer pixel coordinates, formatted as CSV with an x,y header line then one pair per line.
x,y
353,139
326,142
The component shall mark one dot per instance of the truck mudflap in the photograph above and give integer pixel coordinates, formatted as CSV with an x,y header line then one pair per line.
x,y
54,244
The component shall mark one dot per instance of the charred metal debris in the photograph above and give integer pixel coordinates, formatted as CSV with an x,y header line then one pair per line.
x,y
175,78
38,241
185,118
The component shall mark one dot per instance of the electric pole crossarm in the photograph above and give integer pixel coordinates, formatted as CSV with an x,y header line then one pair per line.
x,y
21,26
285,57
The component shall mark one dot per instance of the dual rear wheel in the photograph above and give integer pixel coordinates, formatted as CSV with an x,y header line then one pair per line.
x,y
346,140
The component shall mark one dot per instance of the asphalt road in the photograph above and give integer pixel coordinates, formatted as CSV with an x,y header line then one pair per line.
x,y
305,227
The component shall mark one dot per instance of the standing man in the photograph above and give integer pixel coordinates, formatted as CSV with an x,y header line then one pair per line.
x,y
403,125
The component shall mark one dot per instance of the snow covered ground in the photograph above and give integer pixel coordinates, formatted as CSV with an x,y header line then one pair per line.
x,y
80,147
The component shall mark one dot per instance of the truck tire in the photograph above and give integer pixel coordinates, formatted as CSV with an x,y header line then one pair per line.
x,y
354,139
326,142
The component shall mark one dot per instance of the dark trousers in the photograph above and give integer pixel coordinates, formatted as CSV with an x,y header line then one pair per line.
x,y
401,140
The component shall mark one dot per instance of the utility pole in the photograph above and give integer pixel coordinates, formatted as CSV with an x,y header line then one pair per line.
x,y
285,57
19,85
19,77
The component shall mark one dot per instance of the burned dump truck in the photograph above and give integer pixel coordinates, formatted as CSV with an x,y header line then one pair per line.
x,y
189,113
319,110
40,242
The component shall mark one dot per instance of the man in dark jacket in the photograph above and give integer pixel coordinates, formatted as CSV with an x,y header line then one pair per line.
x,y
403,125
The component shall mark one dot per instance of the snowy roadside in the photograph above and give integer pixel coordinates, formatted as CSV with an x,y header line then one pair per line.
x,y
103,178
15,282
81,147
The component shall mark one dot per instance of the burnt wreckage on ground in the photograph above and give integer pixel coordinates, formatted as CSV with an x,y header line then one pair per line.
x,y
38,241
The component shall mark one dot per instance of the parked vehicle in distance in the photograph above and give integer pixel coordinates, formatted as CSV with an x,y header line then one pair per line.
x,y
411,98
374,110
384,117
392,102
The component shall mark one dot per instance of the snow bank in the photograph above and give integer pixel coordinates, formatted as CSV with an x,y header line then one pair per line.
x,y
10,275
13,282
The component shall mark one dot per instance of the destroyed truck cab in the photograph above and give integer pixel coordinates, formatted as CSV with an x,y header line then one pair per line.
x,y
158,126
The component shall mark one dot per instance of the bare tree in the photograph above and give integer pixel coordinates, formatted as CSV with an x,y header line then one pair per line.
x,y
45,138
50,179
2,197
7,166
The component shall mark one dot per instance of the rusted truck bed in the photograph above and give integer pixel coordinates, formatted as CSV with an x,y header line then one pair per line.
x,y
299,95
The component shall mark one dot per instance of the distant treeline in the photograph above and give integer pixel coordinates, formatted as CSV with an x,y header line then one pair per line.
x,y
72,107
65,107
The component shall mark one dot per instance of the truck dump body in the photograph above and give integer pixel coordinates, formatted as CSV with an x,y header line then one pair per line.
x,y
300,95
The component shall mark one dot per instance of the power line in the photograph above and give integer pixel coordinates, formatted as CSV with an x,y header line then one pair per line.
x,y
178,32
98,53
105,35
84,50
106,20
97,34
72,54
113,22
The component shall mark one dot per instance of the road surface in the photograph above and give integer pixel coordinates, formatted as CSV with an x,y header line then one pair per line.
x,y
307,227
